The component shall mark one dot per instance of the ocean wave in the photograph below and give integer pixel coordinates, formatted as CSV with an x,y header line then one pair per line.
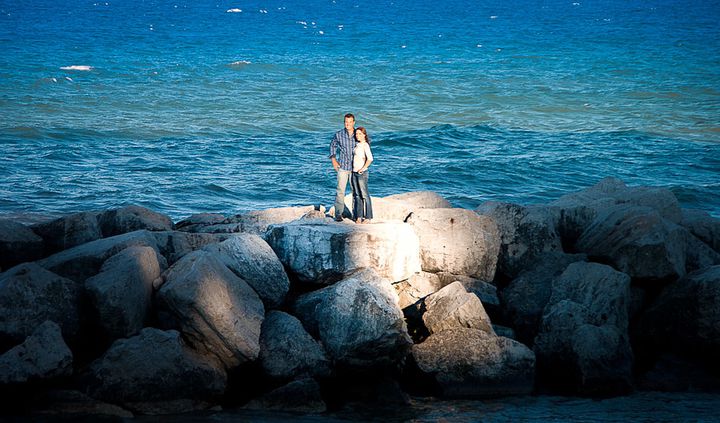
x,y
235,10
83,68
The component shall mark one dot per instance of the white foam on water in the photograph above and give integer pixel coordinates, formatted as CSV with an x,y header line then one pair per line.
x,y
493,17
321,32
263,11
239,63
68,78
301,22
235,10
77,68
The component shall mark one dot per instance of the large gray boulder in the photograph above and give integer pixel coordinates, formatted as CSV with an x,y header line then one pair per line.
x,y
287,351
583,342
417,287
526,296
457,241
133,218
685,317
84,261
252,259
526,232
322,252
486,291
471,363
214,309
69,231
358,320
703,226
637,241
576,211
30,295
453,307
175,244
197,222
121,294
18,244
576,355
154,365
42,356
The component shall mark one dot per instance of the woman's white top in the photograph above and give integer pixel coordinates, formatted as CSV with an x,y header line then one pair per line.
x,y
361,155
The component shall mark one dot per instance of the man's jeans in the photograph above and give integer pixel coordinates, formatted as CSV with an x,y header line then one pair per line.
x,y
362,206
342,179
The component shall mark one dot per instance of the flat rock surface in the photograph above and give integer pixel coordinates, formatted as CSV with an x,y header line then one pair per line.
x,y
321,251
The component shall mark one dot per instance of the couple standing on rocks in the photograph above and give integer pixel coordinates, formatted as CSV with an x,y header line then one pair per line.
x,y
351,156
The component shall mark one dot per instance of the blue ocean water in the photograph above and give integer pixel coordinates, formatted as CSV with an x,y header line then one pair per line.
x,y
229,105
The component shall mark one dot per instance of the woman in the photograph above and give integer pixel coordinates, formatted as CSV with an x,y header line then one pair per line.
x,y
362,157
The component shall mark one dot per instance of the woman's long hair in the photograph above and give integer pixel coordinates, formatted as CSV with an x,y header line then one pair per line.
x,y
362,129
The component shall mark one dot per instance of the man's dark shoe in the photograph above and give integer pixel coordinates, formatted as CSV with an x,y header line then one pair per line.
x,y
338,219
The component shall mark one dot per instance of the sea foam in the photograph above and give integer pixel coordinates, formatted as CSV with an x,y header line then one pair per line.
x,y
77,68
236,10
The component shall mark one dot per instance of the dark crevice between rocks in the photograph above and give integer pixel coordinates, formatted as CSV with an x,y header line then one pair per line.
x,y
413,318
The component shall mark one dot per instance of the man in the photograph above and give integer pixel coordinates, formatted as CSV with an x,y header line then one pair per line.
x,y
341,155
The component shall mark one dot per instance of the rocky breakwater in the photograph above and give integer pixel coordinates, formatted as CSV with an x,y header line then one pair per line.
x,y
124,312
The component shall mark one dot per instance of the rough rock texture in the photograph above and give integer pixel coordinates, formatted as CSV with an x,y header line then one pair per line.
x,y
685,317
42,356
583,344
321,252
471,363
18,244
358,320
196,222
457,241
252,259
637,241
175,244
153,366
84,261
287,351
299,396
526,296
257,222
699,255
121,294
486,291
69,231
417,287
30,295
525,233
399,206
213,308
576,211
453,307
132,218
703,226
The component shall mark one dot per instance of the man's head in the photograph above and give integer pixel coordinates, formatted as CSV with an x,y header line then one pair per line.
x,y
349,122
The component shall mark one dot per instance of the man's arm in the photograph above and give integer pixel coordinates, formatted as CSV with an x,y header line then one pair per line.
x,y
333,148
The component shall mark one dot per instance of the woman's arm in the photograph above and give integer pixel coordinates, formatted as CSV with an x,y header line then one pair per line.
x,y
368,158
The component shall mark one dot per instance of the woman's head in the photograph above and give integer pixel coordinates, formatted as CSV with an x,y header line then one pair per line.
x,y
361,134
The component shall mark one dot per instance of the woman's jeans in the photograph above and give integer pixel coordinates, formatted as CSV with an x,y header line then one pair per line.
x,y
362,206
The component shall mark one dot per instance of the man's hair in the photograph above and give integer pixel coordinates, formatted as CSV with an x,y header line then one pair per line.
x,y
350,116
